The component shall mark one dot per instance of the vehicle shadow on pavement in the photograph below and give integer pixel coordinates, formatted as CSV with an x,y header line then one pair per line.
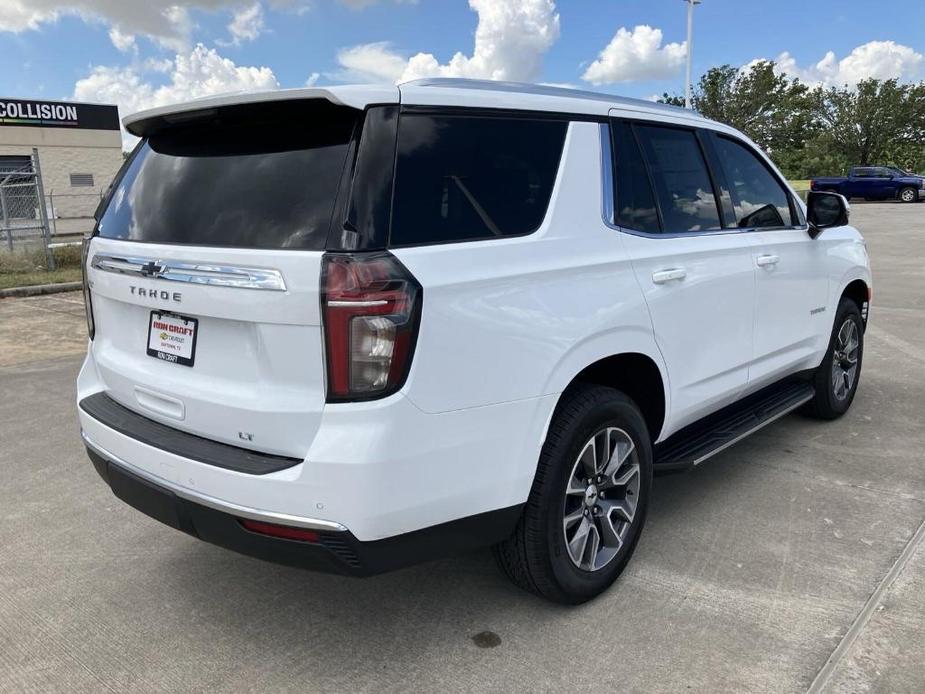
x,y
400,614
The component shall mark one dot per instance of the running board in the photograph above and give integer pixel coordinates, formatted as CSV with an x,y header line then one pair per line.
x,y
704,439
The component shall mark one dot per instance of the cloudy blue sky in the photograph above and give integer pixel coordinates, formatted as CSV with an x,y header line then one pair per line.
x,y
141,53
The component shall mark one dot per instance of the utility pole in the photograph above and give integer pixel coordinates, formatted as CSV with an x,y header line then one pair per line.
x,y
690,50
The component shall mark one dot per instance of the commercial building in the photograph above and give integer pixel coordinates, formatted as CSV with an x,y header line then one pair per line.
x,y
79,150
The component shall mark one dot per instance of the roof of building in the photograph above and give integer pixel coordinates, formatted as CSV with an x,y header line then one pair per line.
x,y
433,92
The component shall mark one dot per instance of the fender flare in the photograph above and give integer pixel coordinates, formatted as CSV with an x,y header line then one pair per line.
x,y
602,346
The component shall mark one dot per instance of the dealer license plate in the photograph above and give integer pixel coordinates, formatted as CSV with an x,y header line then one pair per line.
x,y
172,338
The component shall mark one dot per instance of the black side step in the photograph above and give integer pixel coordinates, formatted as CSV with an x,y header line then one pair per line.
x,y
701,440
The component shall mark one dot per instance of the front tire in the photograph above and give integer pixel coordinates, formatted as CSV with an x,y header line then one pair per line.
x,y
909,195
836,379
588,502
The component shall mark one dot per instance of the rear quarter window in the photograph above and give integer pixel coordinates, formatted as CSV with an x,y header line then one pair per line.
x,y
465,178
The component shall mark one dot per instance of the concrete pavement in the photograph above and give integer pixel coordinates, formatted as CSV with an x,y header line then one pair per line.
x,y
796,545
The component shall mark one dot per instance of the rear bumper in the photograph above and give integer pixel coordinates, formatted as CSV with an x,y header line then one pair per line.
x,y
336,549
380,469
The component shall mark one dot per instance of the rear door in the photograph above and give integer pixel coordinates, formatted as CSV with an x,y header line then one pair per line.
x,y
792,283
697,275
205,269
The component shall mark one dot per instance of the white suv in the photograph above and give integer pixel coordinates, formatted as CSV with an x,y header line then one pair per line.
x,y
357,327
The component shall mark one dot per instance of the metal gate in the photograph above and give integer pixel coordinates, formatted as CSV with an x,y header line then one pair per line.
x,y
23,215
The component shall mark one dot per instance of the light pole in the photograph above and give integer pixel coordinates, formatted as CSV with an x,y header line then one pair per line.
x,y
690,50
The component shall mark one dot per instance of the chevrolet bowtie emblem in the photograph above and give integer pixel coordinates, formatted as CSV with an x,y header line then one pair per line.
x,y
151,269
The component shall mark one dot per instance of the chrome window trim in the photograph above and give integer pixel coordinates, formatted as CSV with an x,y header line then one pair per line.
x,y
191,273
608,214
211,501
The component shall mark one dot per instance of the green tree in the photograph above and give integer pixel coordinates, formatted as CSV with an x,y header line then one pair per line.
x,y
877,122
818,131
772,109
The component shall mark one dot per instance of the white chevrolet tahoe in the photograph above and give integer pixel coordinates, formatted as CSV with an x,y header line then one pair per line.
x,y
354,328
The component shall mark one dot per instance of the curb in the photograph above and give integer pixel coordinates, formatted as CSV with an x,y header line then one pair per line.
x,y
39,289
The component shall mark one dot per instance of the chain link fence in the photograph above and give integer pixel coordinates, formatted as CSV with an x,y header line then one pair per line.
x,y
32,217
24,218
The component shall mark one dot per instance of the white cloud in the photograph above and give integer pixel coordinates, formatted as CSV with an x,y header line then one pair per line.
x,y
123,42
510,40
370,62
16,15
362,4
636,55
246,24
876,59
200,72
166,21
313,79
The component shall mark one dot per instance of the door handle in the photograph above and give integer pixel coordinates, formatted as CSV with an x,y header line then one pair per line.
x,y
767,260
662,276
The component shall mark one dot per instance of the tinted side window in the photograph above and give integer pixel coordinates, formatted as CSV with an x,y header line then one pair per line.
x,y
462,178
682,183
635,203
759,200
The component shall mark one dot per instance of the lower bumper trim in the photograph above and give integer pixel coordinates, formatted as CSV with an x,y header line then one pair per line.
x,y
212,502
336,551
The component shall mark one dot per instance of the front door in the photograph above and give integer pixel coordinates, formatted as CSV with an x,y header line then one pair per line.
x,y
791,285
698,277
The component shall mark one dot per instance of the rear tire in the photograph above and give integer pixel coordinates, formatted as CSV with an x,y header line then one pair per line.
x,y
909,195
588,502
836,379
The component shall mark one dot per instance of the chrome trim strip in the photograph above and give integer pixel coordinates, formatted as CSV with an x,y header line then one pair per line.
x,y
192,273
751,431
607,211
357,304
213,502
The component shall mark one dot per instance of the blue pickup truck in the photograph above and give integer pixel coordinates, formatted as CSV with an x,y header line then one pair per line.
x,y
874,183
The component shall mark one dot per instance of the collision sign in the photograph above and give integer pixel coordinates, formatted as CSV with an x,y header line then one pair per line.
x,y
45,114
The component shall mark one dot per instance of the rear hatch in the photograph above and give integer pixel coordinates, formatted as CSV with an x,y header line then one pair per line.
x,y
205,266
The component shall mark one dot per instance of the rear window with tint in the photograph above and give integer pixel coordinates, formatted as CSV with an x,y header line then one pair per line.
x,y
635,207
463,178
264,177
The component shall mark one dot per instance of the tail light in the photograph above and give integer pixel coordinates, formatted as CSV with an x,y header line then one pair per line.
x,y
371,307
88,305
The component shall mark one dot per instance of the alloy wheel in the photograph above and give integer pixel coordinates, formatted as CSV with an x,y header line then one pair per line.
x,y
601,497
845,359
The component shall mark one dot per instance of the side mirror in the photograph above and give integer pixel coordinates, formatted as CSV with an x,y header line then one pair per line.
x,y
825,210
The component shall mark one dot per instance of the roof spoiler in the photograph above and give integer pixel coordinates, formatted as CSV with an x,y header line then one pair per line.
x,y
147,122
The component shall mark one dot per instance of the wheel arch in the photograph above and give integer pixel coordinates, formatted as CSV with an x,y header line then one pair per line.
x,y
858,291
638,376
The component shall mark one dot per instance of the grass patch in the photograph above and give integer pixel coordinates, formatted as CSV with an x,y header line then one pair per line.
x,y
25,268
29,279
800,184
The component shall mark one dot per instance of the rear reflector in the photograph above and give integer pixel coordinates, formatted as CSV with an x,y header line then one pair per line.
x,y
286,532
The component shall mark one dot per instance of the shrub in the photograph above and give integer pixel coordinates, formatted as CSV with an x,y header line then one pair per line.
x,y
33,259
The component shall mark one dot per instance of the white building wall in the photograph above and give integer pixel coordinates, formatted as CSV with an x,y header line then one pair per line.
x,y
62,152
